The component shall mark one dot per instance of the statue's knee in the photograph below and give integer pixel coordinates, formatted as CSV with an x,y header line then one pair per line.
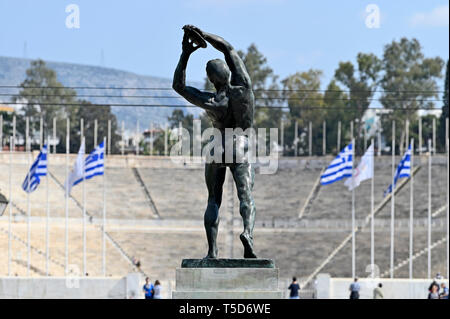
x,y
211,222
245,195
244,206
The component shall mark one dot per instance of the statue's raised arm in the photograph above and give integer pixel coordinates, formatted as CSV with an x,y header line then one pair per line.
x,y
239,75
204,100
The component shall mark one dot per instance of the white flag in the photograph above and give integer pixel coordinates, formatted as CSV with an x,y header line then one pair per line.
x,y
363,171
77,171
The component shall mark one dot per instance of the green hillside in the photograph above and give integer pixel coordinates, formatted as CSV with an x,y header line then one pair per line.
x,y
12,72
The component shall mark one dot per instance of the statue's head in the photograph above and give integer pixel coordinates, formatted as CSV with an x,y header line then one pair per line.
x,y
218,72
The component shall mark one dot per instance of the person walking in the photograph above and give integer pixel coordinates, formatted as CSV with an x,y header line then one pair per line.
x,y
354,289
157,290
148,289
444,293
433,291
294,288
377,292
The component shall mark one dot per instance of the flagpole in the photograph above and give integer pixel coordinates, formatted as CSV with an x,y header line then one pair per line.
x,y
95,132
429,209
47,222
10,204
123,139
353,212
351,131
339,138
420,135
448,186
392,203
83,191
282,136
109,137
296,138
324,138
434,136
41,133
1,133
104,216
407,133
84,208
14,133
165,138
150,140
411,213
54,135
310,138
372,226
66,259
27,148
137,138
379,143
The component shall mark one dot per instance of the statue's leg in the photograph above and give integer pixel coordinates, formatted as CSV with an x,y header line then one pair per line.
x,y
244,176
214,176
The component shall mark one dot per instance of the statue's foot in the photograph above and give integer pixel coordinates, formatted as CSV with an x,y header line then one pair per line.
x,y
247,241
211,255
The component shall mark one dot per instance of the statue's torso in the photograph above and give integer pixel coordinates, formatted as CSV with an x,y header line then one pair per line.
x,y
239,112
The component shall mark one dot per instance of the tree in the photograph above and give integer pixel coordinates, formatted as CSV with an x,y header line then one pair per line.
x,y
338,108
177,117
409,84
361,84
89,113
43,96
305,102
265,88
7,126
444,114
187,122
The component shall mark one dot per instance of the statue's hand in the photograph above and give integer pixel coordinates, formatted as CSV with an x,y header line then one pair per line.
x,y
188,45
193,27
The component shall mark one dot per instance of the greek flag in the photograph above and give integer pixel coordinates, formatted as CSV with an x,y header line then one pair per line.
x,y
92,166
340,167
403,170
38,169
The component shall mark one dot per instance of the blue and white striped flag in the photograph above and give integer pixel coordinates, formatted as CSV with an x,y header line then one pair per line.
x,y
93,166
38,169
403,170
340,167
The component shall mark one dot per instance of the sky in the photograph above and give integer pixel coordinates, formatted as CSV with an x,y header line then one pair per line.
x,y
145,36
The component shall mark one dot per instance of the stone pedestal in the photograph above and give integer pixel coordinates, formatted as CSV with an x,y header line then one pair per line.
x,y
227,279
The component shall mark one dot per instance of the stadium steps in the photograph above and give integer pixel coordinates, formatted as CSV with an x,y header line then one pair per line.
x,y
37,250
34,269
146,192
312,195
439,211
20,210
415,256
100,228
356,230
180,193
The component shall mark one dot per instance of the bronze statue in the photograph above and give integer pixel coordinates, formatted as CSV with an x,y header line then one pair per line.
x,y
232,106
